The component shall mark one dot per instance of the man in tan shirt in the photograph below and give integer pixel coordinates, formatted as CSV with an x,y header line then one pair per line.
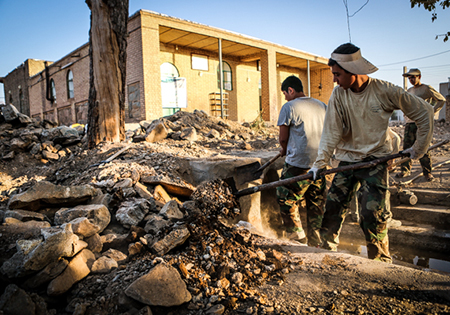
x,y
430,95
356,128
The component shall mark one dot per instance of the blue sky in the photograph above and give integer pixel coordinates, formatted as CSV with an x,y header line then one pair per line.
x,y
390,34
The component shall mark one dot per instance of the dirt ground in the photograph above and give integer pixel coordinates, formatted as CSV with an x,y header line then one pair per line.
x,y
314,281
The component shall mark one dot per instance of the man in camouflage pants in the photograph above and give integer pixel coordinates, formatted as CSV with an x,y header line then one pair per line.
x,y
289,197
300,122
356,130
430,95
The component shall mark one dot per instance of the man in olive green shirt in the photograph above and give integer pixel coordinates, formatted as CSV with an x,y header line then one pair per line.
x,y
356,129
430,95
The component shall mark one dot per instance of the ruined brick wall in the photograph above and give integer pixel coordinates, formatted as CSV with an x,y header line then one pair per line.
x,y
63,110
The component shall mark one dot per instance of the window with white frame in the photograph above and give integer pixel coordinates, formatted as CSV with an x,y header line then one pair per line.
x,y
70,91
199,62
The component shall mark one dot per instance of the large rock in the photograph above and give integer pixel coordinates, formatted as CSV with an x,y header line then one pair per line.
x,y
132,212
78,268
33,255
58,242
162,286
86,220
10,112
47,194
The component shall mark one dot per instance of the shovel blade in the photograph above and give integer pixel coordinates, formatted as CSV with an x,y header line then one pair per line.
x,y
249,172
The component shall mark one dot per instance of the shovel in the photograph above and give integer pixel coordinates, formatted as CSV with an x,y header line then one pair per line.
x,y
252,190
252,171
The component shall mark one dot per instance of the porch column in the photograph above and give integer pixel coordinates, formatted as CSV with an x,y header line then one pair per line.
x,y
269,88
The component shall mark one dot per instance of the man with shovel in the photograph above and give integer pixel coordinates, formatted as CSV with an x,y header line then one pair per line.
x,y
356,129
300,122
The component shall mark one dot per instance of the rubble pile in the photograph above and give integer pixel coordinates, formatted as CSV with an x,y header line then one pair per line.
x,y
85,236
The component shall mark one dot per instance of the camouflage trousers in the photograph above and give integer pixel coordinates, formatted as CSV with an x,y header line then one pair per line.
x,y
374,213
289,197
408,140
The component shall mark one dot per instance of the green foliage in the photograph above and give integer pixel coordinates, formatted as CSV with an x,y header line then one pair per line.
x,y
430,5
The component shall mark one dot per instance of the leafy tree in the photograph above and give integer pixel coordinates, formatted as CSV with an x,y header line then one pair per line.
x,y
430,5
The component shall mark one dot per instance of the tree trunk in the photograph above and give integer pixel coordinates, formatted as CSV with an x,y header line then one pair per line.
x,y
107,51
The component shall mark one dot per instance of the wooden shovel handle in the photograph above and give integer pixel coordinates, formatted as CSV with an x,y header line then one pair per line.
x,y
268,163
406,159
291,180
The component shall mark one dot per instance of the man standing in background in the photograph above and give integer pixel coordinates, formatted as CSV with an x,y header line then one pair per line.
x,y
437,100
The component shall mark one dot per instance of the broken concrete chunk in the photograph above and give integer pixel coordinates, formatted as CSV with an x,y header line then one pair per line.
x,y
132,212
115,254
189,134
94,242
49,155
142,191
156,131
124,183
171,211
162,286
78,268
97,218
25,216
10,112
45,193
58,242
170,241
155,224
104,265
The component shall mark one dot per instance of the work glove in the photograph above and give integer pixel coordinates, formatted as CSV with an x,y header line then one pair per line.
x,y
315,171
412,153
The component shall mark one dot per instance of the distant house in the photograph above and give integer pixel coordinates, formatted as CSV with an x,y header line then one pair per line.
x,y
173,64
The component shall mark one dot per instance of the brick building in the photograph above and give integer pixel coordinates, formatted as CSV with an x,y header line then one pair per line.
x,y
173,64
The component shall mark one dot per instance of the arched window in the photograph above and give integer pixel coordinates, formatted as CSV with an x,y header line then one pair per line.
x,y
70,92
169,92
168,71
227,76
53,90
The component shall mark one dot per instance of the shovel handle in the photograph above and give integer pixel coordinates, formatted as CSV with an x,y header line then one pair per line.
x,y
434,146
291,180
268,162
252,190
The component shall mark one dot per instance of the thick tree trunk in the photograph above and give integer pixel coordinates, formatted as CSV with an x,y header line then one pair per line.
x,y
107,51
